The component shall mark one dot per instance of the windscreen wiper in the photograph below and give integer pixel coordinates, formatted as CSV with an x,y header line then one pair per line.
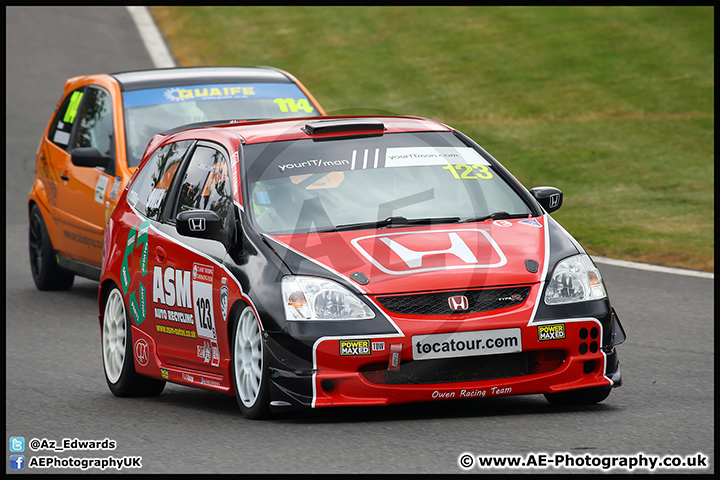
x,y
501,215
399,221
391,222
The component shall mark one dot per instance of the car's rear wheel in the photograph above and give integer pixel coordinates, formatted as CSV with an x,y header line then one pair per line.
x,y
46,273
250,373
117,352
585,396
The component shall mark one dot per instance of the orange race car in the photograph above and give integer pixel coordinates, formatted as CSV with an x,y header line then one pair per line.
x,y
99,132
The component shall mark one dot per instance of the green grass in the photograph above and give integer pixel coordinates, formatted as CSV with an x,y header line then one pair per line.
x,y
613,105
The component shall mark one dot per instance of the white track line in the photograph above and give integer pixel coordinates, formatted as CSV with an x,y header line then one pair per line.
x,y
151,36
654,268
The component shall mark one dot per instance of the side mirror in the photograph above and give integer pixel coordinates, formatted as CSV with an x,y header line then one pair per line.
x,y
201,224
91,157
550,198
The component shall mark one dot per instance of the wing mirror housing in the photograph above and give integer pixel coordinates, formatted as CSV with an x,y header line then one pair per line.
x,y
91,157
550,198
201,224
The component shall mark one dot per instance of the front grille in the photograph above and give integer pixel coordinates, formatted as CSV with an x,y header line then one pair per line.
x,y
465,369
438,303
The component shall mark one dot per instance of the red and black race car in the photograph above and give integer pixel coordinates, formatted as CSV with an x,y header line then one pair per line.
x,y
347,261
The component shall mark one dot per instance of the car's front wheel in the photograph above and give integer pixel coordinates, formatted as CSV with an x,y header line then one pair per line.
x,y
250,373
46,273
585,396
117,352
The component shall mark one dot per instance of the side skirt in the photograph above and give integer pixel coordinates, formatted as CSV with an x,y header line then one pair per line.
x,y
79,268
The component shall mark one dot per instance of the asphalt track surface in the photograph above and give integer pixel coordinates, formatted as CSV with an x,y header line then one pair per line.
x,y
55,387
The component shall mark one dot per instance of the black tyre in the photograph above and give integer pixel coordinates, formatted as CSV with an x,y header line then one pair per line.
x,y
46,273
117,352
585,396
250,372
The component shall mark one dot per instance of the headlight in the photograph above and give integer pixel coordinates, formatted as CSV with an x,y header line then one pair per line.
x,y
575,279
312,298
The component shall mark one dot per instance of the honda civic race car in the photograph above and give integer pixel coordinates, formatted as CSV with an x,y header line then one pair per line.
x,y
98,134
347,261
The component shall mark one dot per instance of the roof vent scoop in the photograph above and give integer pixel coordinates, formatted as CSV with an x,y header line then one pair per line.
x,y
359,125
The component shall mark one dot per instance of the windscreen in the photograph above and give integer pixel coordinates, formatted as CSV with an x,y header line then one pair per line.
x,y
156,110
353,183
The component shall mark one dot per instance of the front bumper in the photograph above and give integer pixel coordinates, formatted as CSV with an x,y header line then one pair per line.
x,y
555,356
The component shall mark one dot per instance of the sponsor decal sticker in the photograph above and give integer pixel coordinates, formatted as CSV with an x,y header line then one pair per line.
x,y
287,96
234,159
61,137
100,188
419,156
174,316
502,223
474,393
180,332
202,273
210,353
466,344
378,346
200,93
313,164
394,360
215,354
137,239
202,285
138,304
469,172
354,347
551,332
141,352
224,294
115,188
204,352
293,105
164,373
531,221
73,106
407,253
132,198
511,298
49,173
171,287
82,239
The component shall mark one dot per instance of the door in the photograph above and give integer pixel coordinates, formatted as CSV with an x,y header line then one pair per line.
x,y
160,303
53,160
83,192
189,285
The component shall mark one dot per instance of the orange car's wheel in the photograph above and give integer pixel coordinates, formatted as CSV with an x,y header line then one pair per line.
x,y
46,273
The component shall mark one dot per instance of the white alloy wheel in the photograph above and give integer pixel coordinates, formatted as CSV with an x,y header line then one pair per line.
x,y
248,358
114,336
